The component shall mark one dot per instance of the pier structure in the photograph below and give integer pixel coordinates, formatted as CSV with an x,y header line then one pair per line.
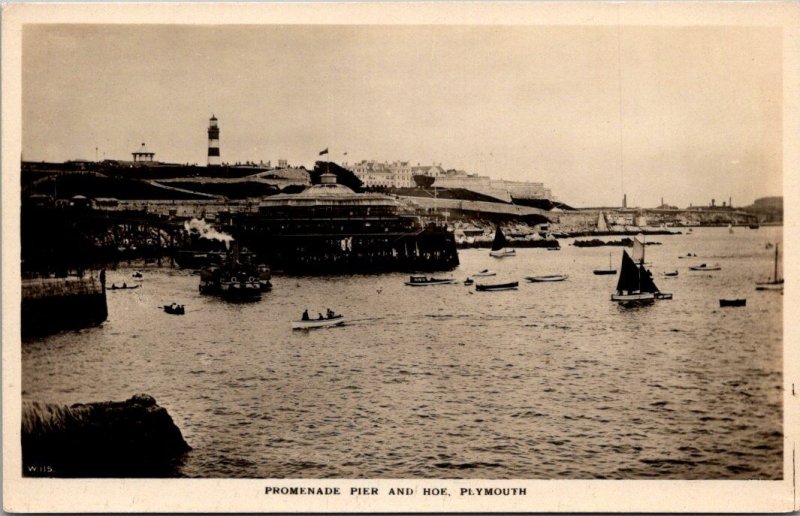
x,y
328,228
213,142
58,239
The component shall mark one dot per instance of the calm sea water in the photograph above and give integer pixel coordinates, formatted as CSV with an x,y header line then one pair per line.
x,y
550,381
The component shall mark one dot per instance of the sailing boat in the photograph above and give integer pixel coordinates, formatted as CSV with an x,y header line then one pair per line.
x,y
600,272
730,228
499,249
635,285
774,283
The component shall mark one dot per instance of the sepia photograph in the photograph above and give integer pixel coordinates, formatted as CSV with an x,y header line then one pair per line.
x,y
323,254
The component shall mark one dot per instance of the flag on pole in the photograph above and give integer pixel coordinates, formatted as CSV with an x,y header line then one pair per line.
x,y
323,151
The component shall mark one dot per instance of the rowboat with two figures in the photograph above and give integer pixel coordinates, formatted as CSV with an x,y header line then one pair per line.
x,y
309,323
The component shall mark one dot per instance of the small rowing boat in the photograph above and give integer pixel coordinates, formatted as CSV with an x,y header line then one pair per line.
x,y
547,278
732,302
318,323
492,287
174,309
484,273
705,267
671,274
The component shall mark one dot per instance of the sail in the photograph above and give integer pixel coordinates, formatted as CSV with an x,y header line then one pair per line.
x,y
628,275
646,283
638,249
499,240
775,274
602,226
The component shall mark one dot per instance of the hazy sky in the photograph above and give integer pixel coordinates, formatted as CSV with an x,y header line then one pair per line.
x,y
684,113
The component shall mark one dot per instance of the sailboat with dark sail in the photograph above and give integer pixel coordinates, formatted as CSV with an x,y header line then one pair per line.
x,y
500,245
774,283
635,285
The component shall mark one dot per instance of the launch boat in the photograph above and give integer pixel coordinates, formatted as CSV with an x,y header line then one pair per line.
x,y
499,245
235,280
424,281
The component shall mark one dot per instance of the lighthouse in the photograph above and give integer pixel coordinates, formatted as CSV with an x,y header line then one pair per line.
x,y
213,142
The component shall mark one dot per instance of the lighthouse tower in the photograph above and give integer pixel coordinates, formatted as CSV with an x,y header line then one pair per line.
x,y
213,142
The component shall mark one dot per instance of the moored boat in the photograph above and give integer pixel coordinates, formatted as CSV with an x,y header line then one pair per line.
x,y
774,282
602,272
468,282
485,273
424,281
732,302
705,267
671,274
310,324
499,245
547,278
492,287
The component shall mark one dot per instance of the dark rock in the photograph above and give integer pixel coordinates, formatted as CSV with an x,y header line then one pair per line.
x,y
133,438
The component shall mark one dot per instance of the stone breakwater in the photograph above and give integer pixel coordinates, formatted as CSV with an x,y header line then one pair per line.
x,y
50,305
132,438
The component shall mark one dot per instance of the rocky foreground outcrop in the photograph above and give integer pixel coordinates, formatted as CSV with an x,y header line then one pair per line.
x,y
132,438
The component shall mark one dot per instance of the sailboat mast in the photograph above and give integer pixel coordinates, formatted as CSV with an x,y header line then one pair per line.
x,y
775,274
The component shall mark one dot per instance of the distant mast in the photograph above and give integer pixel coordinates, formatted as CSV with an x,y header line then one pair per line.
x,y
213,142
